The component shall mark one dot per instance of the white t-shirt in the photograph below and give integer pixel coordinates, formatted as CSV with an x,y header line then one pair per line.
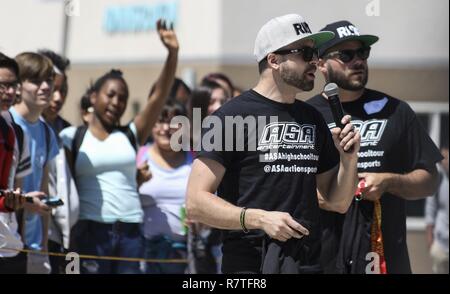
x,y
105,173
163,198
20,167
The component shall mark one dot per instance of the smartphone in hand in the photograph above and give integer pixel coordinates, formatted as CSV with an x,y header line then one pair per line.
x,y
53,201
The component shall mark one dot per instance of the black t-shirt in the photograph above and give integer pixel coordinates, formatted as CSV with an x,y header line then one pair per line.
x,y
394,141
277,174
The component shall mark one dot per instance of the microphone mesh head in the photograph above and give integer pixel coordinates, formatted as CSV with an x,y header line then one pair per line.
x,y
330,89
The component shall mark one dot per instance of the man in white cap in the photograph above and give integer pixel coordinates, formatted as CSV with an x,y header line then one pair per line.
x,y
266,195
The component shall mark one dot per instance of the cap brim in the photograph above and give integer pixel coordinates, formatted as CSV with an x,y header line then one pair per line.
x,y
367,40
320,38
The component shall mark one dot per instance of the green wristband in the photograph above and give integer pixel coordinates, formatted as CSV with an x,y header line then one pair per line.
x,y
242,220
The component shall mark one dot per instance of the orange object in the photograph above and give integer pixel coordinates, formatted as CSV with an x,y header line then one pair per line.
x,y
376,236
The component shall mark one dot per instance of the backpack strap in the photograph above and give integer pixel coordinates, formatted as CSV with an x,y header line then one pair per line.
x,y
76,144
7,141
130,135
5,130
19,135
47,141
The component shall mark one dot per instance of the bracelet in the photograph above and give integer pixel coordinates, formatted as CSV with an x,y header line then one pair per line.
x,y
242,220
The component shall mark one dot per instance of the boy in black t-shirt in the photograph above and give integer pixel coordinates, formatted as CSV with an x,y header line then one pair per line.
x,y
397,162
270,154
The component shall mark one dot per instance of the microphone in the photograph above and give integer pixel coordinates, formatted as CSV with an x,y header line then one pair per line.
x,y
331,91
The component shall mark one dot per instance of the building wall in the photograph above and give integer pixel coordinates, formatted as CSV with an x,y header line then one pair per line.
x,y
428,85
28,25
411,32
407,29
197,24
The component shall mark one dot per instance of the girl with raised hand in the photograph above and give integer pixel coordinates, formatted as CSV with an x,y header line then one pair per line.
x,y
103,161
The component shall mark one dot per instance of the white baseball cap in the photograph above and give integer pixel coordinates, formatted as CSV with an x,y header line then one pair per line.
x,y
284,30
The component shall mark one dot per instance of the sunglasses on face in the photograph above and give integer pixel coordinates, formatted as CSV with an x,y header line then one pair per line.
x,y
308,53
347,55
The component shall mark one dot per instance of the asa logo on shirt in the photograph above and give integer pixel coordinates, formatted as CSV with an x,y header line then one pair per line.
x,y
288,133
371,130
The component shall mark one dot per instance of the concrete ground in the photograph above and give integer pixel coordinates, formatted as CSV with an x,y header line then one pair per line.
x,y
418,252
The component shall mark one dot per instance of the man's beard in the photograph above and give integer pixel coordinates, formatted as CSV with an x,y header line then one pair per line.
x,y
344,82
297,80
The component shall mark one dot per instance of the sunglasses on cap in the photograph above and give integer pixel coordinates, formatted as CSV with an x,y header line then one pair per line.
x,y
308,53
348,54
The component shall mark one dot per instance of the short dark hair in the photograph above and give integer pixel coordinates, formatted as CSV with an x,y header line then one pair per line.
x,y
200,98
61,62
113,74
7,62
178,83
173,108
263,65
85,101
211,84
219,76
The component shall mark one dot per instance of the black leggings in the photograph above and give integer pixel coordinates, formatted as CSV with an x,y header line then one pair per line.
x,y
14,265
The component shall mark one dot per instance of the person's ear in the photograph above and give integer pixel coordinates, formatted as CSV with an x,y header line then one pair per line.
x,y
273,61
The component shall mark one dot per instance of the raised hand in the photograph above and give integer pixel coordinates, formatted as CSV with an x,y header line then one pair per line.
x,y
167,35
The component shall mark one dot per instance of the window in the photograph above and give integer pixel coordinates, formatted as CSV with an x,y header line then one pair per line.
x,y
435,118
